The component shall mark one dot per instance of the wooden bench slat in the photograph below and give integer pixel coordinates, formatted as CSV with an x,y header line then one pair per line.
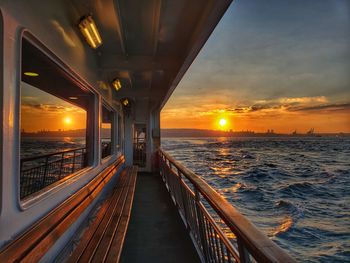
x,y
111,228
118,241
95,241
45,244
104,243
90,231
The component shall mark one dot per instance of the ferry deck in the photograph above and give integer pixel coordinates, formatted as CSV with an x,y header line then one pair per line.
x,y
122,199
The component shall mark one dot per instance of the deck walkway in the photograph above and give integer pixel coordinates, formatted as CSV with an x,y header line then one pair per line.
x,y
156,232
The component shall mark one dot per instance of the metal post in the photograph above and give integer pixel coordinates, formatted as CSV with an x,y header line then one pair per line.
x,y
45,172
200,224
243,252
73,164
61,165
184,199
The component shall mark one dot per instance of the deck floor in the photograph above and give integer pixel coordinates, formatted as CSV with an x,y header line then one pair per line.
x,y
156,232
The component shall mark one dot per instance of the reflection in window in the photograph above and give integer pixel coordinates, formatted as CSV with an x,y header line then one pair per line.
x,y
139,152
119,142
106,132
54,123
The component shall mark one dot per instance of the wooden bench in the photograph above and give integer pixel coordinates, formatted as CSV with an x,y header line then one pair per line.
x,y
103,239
33,244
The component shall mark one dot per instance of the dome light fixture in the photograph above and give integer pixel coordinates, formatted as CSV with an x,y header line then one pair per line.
x,y
125,102
89,30
116,84
31,74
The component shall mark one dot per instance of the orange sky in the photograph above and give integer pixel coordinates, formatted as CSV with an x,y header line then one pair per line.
x,y
42,111
33,120
270,66
331,119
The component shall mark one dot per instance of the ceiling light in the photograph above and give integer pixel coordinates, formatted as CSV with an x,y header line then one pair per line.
x,y
31,74
89,30
73,98
117,84
125,102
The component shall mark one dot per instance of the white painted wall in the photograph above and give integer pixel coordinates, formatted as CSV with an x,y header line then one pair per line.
x,y
49,23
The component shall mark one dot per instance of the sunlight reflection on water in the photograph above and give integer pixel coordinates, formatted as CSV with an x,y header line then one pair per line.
x,y
294,189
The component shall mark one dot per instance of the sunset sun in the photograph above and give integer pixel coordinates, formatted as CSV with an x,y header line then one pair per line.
x,y
67,120
222,123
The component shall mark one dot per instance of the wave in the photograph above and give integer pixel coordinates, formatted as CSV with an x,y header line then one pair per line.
x,y
288,187
298,188
284,226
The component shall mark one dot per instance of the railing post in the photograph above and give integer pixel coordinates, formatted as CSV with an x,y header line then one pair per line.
x,y
61,164
184,199
243,252
21,180
45,172
201,225
73,163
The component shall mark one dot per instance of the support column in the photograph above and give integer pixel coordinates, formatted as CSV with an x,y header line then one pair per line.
x,y
128,139
155,134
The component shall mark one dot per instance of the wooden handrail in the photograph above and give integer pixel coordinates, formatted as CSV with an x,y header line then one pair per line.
x,y
259,245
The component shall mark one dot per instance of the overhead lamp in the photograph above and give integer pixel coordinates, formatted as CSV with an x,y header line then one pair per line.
x,y
125,102
89,30
116,84
31,74
73,98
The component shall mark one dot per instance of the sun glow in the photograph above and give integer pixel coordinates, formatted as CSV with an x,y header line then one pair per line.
x,y
67,120
222,123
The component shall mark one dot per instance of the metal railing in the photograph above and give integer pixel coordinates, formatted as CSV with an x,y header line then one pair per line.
x,y
40,171
106,149
219,232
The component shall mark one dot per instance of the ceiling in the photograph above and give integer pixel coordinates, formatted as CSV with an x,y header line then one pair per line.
x,y
149,44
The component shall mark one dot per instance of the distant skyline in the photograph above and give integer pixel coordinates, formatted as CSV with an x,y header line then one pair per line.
x,y
281,65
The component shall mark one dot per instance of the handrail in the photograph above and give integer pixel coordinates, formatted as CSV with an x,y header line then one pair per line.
x,y
248,236
49,155
34,176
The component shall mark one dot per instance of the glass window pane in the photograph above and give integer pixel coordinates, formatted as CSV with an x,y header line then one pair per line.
x,y
106,132
54,122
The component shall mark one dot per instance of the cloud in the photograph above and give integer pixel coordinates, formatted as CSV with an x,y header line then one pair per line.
x,y
49,108
325,107
284,104
319,99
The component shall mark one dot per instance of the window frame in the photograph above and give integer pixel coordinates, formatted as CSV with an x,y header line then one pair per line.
x,y
1,104
114,124
47,191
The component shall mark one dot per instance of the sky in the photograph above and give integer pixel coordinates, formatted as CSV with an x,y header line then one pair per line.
x,y
43,111
282,65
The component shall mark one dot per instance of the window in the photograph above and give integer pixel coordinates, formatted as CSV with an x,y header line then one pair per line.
x,y
107,132
55,121
139,152
119,140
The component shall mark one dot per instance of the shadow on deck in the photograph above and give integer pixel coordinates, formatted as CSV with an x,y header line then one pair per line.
x,y
156,232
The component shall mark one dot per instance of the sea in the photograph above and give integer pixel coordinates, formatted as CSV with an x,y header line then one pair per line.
x,y
295,190
36,146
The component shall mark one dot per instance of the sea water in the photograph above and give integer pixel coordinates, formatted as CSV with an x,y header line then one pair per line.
x,y
37,146
295,190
